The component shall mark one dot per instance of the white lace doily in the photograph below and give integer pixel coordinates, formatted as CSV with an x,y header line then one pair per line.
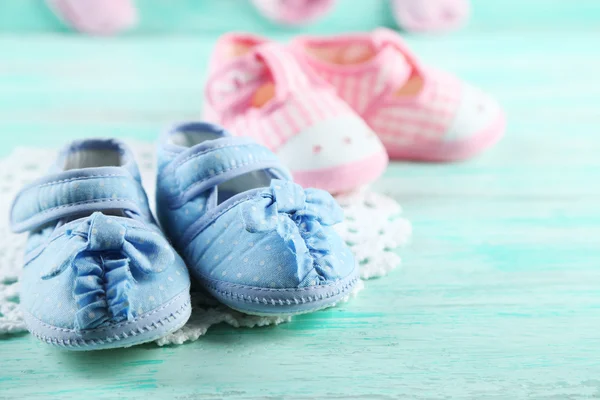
x,y
373,228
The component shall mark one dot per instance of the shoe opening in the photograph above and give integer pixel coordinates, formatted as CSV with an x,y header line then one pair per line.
x,y
95,153
93,158
339,54
193,135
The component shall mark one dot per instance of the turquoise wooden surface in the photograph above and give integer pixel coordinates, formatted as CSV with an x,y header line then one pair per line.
x,y
499,294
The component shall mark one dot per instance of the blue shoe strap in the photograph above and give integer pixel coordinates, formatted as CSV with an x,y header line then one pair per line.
x,y
213,162
74,192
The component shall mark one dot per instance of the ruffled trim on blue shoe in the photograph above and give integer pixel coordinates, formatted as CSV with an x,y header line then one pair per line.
x,y
103,254
298,216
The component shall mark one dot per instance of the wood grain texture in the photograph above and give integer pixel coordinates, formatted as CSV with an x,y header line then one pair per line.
x,y
499,295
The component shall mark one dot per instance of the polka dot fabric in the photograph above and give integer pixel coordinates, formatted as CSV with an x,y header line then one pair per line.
x,y
92,280
267,250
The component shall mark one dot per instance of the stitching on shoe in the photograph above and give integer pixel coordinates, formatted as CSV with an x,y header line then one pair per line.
x,y
105,328
207,151
304,311
83,202
210,282
82,178
264,300
124,335
85,342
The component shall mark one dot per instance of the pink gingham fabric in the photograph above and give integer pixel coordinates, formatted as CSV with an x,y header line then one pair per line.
x,y
320,137
299,100
445,120
426,116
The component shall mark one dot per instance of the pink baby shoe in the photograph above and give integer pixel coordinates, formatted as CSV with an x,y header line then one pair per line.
x,y
257,88
293,12
430,15
96,17
418,112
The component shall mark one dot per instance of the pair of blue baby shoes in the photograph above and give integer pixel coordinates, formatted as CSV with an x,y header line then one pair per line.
x,y
100,273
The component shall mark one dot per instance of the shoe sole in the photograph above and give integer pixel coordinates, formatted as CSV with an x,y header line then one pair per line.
x,y
280,302
146,328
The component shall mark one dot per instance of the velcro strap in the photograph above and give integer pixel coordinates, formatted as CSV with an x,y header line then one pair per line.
x,y
233,83
207,165
284,68
73,192
384,36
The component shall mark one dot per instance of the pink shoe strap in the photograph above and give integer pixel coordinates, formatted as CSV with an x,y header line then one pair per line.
x,y
231,86
388,38
391,67
380,39
385,37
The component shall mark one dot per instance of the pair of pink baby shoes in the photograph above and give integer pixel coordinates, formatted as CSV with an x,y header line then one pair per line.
x,y
334,108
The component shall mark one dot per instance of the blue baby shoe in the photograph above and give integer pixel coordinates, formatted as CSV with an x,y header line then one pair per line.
x,y
257,241
98,271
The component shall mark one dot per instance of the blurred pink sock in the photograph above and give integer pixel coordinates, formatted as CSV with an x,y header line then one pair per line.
x,y
430,15
96,17
293,12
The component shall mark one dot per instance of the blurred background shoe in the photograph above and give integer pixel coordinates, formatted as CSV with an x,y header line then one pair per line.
x,y
96,17
430,15
294,12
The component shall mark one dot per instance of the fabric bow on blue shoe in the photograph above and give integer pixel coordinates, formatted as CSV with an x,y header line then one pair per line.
x,y
98,271
256,241
106,286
